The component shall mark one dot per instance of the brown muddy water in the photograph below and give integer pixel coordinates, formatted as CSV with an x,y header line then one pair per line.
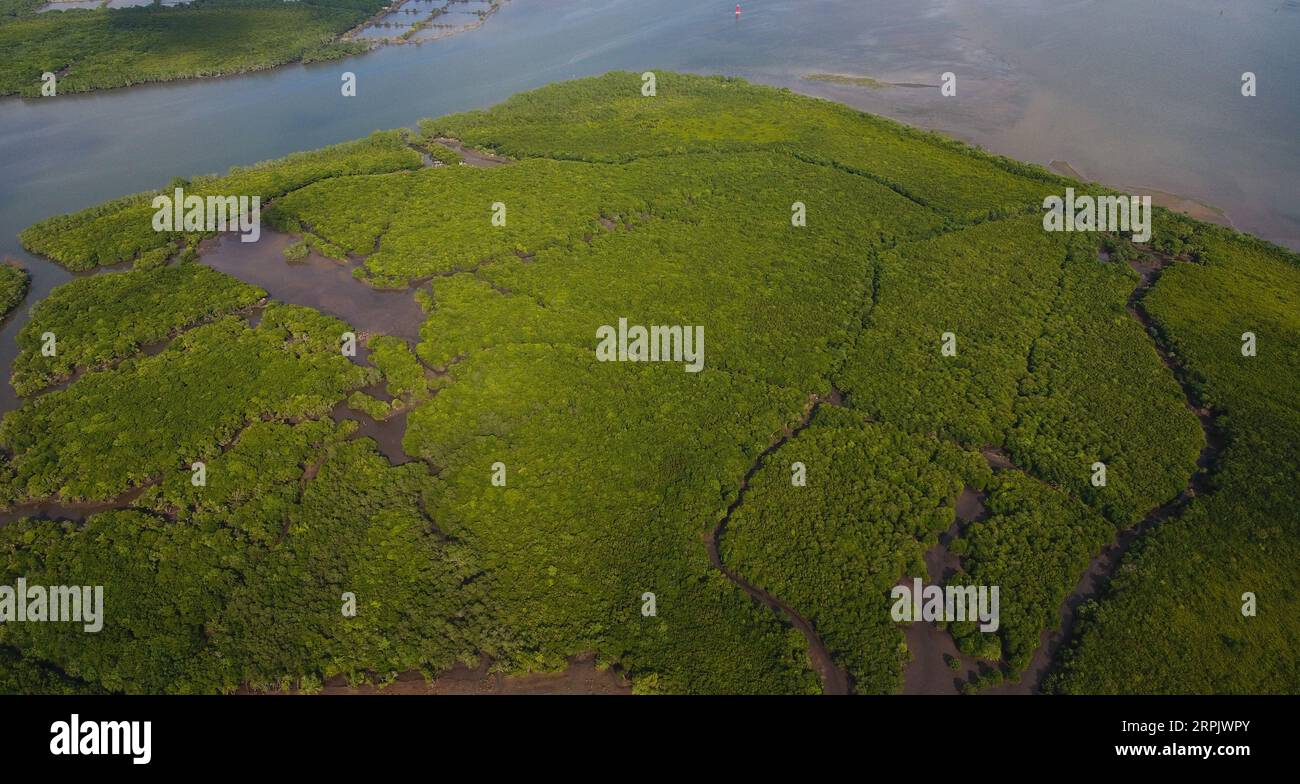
x,y
388,432
314,281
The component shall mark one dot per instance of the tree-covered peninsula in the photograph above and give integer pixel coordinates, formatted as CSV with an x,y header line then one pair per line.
x,y
884,313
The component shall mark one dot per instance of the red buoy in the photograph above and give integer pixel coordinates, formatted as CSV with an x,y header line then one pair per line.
x,y
737,9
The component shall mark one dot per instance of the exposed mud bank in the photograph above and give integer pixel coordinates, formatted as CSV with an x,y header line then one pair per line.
x,y
931,647
580,677
474,158
1185,205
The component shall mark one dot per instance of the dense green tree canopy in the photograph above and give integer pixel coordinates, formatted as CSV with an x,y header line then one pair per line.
x,y
551,492
93,49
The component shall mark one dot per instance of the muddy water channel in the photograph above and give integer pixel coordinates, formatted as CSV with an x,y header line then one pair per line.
x,y
387,433
314,281
328,286
74,512
1019,97
834,678
932,648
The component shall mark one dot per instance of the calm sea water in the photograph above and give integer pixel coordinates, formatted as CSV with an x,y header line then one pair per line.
x,y
1139,93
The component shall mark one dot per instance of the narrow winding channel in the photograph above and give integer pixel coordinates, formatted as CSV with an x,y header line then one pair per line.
x,y
932,647
834,679
1104,564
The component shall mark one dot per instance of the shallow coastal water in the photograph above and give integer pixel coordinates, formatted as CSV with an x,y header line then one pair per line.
x,y
1131,94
